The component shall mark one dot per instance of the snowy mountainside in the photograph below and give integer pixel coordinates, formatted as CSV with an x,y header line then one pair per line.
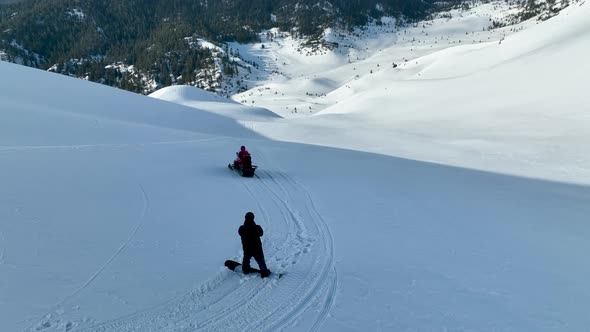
x,y
183,52
118,211
157,44
513,103
364,51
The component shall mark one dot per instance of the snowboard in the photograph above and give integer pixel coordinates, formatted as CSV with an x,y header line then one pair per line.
x,y
235,266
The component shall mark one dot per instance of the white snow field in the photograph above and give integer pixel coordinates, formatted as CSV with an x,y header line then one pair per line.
x,y
117,210
517,105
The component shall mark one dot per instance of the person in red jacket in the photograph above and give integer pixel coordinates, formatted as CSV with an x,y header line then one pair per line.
x,y
251,233
241,156
243,153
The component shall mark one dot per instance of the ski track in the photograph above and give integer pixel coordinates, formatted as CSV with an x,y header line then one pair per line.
x,y
303,303
180,309
329,302
146,207
213,323
2,249
232,302
300,303
333,280
93,146
144,212
252,295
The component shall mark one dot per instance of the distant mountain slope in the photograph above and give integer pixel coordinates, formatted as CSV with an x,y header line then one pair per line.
x,y
140,46
518,105
143,46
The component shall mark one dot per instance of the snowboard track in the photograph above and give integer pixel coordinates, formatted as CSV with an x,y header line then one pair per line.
x,y
144,212
328,268
228,302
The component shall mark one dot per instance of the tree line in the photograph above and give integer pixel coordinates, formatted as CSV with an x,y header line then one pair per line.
x,y
82,37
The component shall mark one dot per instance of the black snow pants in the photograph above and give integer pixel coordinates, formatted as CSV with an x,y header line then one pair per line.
x,y
258,256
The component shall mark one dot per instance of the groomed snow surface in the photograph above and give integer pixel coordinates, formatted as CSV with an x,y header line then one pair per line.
x,y
117,211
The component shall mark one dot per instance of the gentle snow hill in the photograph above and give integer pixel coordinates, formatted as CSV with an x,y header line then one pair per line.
x,y
185,92
209,102
117,212
517,106
87,106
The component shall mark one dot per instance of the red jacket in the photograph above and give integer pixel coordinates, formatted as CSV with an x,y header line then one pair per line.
x,y
242,154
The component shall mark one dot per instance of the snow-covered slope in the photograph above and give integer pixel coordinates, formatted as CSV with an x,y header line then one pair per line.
x,y
517,105
304,76
179,92
117,212
209,102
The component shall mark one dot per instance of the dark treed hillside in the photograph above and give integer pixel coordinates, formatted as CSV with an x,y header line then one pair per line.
x,y
83,37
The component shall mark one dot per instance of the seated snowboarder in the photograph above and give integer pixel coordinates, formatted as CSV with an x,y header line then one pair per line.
x,y
250,233
241,157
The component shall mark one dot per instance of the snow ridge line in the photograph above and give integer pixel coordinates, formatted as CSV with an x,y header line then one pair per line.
x,y
100,145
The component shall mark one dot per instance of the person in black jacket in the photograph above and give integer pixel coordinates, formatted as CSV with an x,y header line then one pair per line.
x,y
250,233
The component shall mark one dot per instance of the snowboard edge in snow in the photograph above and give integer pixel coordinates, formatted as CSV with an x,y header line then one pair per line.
x,y
236,267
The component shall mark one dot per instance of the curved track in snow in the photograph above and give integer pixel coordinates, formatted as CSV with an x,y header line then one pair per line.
x,y
231,302
44,323
141,220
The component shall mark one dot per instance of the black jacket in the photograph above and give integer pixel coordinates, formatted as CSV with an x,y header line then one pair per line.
x,y
250,234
